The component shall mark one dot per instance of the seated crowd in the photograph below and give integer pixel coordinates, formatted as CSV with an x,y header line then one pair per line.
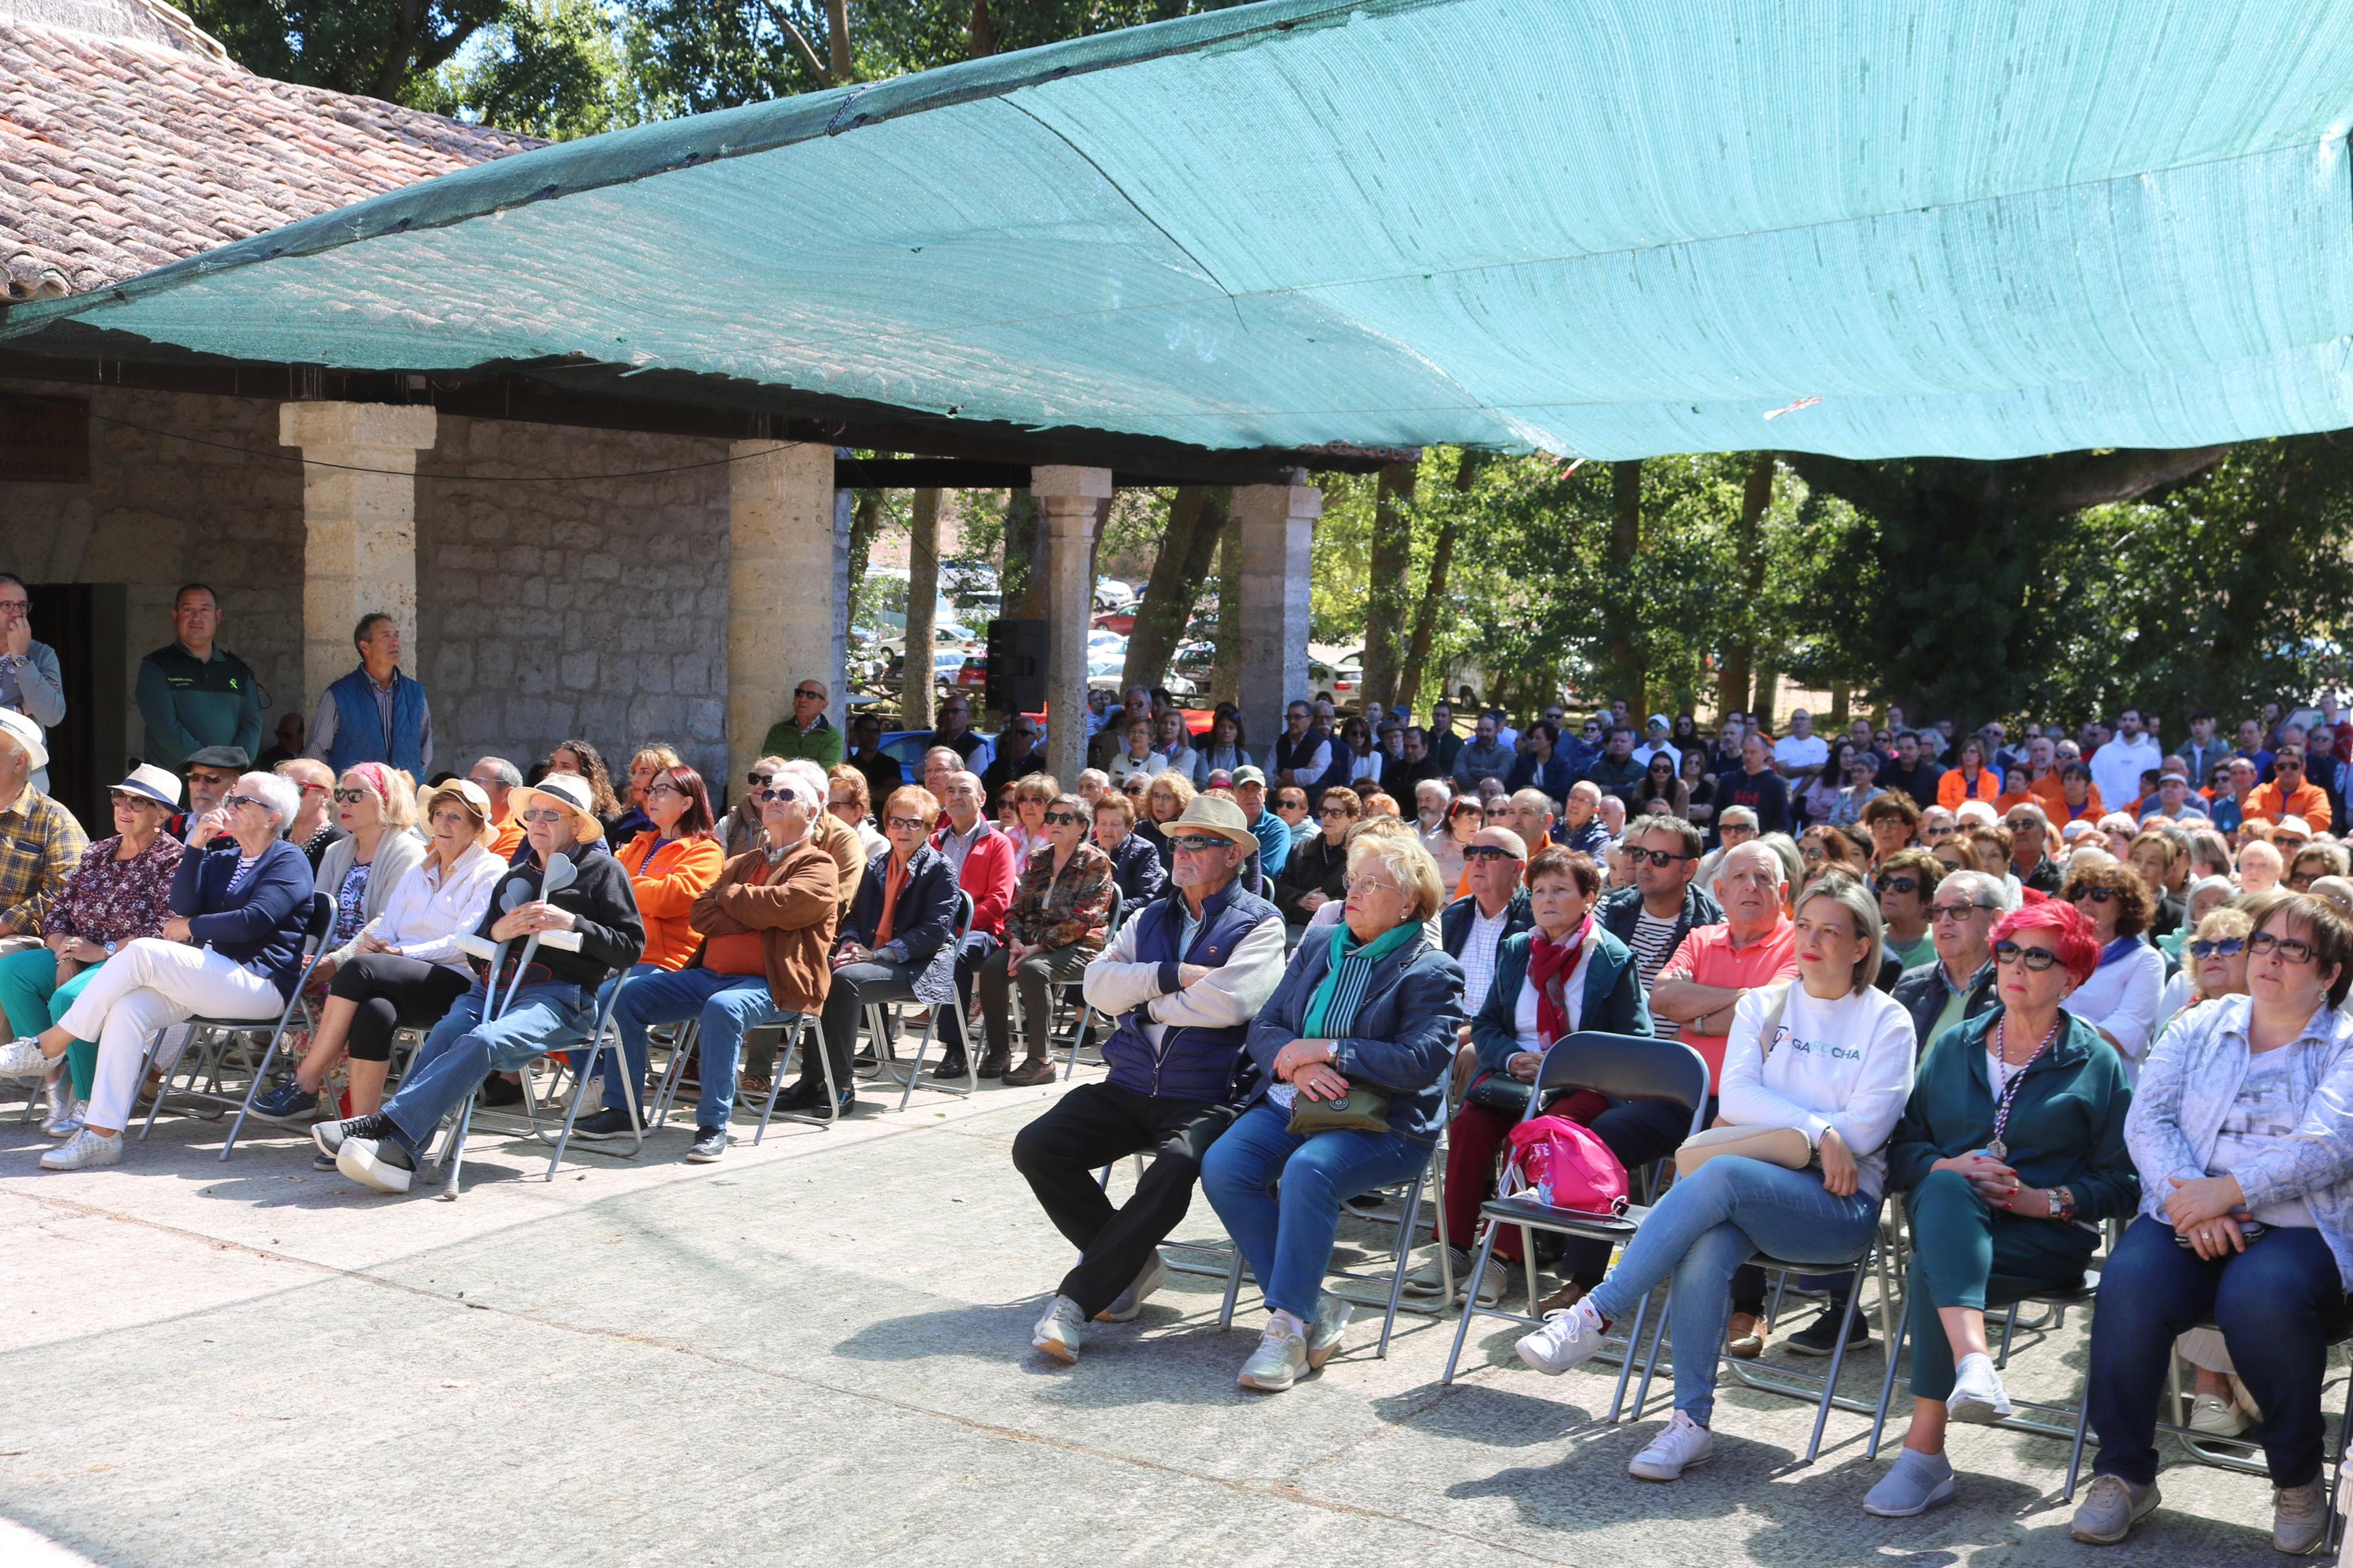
x,y
1313,968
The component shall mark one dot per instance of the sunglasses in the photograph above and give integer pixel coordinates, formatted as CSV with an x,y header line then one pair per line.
x,y
2286,765
1487,852
1659,857
1330,812
1197,842
1066,819
130,797
1955,911
230,803
2229,947
1898,885
2289,949
777,792
2092,895
810,696
757,780
2037,959
1933,834
548,816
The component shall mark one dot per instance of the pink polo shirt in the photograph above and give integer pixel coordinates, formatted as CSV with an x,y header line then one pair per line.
x,y
1707,957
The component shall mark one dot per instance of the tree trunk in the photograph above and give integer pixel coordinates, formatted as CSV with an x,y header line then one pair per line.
x,y
1625,543
922,609
1226,675
1391,586
1196,518
1739,667
1424,620
1022,590
1768,682
865,522
1840,702
837,27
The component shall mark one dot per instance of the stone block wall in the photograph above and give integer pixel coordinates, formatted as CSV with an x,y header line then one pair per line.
x,y
594,608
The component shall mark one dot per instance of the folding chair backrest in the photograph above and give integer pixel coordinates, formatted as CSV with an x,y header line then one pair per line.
x,y
1111,926
964,915
1625,1066
322,921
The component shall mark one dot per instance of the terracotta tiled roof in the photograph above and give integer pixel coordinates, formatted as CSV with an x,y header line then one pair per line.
x,y
118,154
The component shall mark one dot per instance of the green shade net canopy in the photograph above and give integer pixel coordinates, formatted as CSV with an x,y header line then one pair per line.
x,y
1604,229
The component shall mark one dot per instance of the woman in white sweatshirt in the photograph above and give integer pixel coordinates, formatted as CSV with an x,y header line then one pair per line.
x,y
1826,1056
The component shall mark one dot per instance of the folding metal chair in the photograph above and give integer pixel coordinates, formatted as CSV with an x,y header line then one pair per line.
x,y
884,1031
1064,989
602,1038
794,1035
1622,1067
212,1049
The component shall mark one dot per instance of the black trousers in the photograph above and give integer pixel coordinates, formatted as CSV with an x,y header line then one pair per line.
x,y
1090,1127
391,992
856,987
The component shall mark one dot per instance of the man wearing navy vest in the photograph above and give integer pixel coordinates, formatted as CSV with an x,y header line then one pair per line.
x,y
375,714
1183,977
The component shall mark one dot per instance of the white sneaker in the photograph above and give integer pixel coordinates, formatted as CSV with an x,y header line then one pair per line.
x,y
83,1150
361,1159
2215,1417
1058,1333
1130,1302
1977,1396
1323,1334
1684,1444
64,1116
1280,1360
24,1058
1567,1338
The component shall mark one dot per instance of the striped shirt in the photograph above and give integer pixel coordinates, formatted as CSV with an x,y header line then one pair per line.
x,y
1478,945
1652,941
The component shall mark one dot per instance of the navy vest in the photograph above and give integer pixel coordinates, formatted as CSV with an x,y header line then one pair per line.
x,y
1192,1063
359,724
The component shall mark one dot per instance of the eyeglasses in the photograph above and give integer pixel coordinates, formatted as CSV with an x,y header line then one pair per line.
x,y
1330,812
230,803
2290,950
777,792
1487,852
2229,947
756,779
1372,884
1956,912
2037,959
1066,819
904,824
1197,842
550,814
1898,884
1659,857
2092,895
1811,853
665,787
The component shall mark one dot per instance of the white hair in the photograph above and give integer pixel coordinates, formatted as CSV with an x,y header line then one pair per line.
x,y
1981,888
1975,812
809,775
1752,849
278,796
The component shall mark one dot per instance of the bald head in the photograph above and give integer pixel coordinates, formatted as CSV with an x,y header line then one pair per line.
x,y
1583,800
1494,862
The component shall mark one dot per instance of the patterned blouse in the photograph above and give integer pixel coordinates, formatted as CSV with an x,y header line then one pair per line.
x,y
105,899
1058,911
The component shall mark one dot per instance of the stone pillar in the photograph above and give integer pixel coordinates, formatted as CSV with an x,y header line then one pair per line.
x,y
1278,530
1069,512
788,574
359,511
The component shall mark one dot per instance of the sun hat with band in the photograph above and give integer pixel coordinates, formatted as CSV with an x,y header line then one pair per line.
x,y
568,791
1207,814
469,794
149,782
27,736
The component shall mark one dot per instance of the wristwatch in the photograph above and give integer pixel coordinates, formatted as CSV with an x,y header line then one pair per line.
x,y
110,948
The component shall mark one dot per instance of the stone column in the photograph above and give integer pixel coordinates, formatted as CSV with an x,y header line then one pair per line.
x,y
1069,512
1277,523
359,508
787,563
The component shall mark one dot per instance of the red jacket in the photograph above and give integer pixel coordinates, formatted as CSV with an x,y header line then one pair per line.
x,y
990,874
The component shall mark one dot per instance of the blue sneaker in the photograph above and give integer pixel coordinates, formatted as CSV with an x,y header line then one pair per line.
x,y
287,1097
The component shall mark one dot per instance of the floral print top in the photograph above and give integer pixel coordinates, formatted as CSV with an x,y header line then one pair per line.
x,y
1074,909
105,899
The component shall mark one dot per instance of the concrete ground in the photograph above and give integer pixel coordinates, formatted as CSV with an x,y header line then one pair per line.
x,y
817,1351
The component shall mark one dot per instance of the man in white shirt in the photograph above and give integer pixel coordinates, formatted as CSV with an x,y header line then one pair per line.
x,y
2116,766
1654,740
1473,926
1798,755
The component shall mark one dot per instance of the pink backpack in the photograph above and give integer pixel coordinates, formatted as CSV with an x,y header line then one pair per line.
x,y
1565,1164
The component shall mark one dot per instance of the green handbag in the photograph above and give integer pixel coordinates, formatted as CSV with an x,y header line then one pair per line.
x,y
1364,1110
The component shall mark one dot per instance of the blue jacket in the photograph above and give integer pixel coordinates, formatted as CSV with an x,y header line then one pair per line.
x,y
260,926
1273,837
1402,1041
1620,907
1454,920
1590,840
1613,999
923,921
1136,868
359,724
1554,777
1192,1063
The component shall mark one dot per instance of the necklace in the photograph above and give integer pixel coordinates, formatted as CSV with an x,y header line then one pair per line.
x,y
2006,1092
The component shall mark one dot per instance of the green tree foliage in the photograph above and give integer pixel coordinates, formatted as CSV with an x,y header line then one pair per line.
x,y
556,68
384,48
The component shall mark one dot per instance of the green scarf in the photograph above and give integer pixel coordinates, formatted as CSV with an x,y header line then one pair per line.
x,y
1320,1024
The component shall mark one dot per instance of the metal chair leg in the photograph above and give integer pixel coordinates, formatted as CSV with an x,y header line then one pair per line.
x,y
1830,1378
1406,1223
1234,1290
1470,1305
1651,1361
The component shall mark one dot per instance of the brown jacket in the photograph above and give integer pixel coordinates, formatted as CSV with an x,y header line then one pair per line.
x,y
840,841
795,912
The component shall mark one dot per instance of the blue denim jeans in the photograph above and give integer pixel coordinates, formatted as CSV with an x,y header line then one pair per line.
x,y
1708,1225
1279,1194
462,1050
2279,1304
727,1004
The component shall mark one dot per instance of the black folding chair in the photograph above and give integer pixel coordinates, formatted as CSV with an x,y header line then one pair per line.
x,y
1064,989
1622,1067
216,1054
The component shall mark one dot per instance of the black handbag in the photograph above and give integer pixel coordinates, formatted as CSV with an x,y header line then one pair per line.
x,y
1499,1092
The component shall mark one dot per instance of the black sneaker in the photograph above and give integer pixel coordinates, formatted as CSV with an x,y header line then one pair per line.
x,y
329,1135
710,1142
1820,1336
500,1091
609,1125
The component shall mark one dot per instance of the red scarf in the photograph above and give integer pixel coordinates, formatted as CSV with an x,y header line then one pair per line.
x,y
1550,965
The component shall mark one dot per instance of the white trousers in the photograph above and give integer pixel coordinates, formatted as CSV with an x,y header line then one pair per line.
x,y
152,984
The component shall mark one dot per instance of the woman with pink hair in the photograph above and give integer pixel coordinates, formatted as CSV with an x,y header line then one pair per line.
x,y
2011,1151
